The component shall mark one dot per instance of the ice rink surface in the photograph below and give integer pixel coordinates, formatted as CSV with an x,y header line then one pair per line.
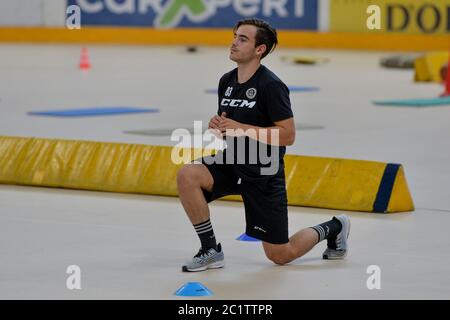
x,y
132,246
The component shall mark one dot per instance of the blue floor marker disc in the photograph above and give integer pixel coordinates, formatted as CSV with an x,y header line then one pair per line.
x,y
87,112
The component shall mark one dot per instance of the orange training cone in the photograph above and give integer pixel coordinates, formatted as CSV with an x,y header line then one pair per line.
x,y
84,60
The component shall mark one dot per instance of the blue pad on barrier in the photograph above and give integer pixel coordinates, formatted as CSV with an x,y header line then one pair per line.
x,y
87,112
416,102
291,89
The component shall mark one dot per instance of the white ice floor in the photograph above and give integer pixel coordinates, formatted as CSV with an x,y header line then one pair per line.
x,y
132,246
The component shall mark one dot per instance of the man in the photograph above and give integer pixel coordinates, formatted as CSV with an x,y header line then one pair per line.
x,y
254,106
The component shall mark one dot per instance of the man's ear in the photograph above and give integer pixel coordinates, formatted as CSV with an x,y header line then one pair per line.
x,y
261,49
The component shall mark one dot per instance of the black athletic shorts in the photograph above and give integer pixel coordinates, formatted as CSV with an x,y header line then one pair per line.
x,y
265,201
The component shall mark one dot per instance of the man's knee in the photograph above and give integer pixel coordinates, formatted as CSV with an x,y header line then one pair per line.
x,y
193,176
278,256
185,177
279,259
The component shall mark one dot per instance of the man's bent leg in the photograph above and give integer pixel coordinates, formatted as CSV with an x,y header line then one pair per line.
x,y
299,244
191,179
336,231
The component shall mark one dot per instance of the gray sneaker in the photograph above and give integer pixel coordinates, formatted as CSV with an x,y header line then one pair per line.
x,y
206,259
337,248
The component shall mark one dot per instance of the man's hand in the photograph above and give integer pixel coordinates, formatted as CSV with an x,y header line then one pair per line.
x,y
213,126
214,122
222,126
281,134
230,125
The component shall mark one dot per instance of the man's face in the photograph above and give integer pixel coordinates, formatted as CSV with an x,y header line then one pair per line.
x,y
243,46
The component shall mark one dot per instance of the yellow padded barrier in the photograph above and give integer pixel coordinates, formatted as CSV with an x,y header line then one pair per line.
x,y
130,168
428,67
422,73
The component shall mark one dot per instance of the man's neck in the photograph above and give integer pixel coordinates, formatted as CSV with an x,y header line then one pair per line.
x,y
247,70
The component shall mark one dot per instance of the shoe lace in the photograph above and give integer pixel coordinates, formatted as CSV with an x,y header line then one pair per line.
x,y
201,252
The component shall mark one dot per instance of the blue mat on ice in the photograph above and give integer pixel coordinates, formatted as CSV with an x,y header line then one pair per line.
x,y
291,89
88,112
245,237
416,102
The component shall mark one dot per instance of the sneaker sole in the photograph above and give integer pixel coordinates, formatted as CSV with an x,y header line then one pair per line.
x,y
346,227
332,257
215,265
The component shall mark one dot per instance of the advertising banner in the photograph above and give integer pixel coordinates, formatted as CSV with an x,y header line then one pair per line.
x,y
403,16
283,14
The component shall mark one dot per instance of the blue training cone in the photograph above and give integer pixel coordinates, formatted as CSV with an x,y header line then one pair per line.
x,y
193,289
245,237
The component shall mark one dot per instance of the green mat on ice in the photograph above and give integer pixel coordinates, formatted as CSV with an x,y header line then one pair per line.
x,y
416,102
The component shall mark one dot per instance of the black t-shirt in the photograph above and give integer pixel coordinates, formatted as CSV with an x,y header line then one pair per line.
x,y
260,101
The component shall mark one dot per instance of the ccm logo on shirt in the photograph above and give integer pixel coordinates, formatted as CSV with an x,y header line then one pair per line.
x,y
237,103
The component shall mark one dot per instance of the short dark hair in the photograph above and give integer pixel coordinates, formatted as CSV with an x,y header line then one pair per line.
x,y
265,33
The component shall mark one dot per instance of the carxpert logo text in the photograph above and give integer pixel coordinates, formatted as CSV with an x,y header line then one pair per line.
x,y
300,14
